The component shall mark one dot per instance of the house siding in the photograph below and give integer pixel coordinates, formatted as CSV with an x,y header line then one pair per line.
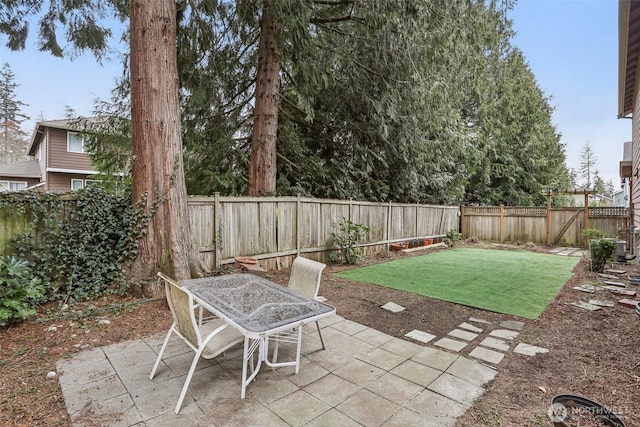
x,y
635,171
63,159
62,181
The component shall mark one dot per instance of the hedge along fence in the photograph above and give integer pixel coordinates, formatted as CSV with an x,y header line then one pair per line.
x,y
276,229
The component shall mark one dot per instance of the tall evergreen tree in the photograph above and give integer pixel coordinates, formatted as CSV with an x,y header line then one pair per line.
x,y
520,150
13,146
588,161
385,100
158,180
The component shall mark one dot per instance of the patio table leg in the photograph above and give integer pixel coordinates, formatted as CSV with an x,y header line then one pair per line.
x,y
299,348
247,354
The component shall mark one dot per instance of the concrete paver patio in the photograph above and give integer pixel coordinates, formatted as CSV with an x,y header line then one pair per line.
x,y
363,378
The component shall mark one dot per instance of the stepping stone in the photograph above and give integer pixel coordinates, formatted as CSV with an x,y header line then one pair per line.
x,y
614,271
469,327
504,334
585,288
623,292
420,336
495,344
566,253
393,307
463,335
450,344
611,288
487,355
608,276
514,325
586,306
628,302
479,320
612,283
601,303
529,350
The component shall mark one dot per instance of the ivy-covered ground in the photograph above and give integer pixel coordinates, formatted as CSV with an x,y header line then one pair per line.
x,y
591,354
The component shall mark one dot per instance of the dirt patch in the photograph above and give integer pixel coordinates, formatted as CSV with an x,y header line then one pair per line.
x,y
593,354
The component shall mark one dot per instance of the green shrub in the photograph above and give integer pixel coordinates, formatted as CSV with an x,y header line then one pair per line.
x,y
593,233
602,251
347,238
451,237
600,248
20,292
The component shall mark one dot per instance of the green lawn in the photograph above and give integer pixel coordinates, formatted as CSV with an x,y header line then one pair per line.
x,y
521,283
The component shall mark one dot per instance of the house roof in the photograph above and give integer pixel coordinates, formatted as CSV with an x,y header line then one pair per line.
x,y
628,54
25,169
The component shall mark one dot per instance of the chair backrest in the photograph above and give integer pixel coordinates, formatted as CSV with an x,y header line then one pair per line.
x,y
305,276
180,302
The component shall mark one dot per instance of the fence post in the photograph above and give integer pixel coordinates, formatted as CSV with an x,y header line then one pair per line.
x,y
389,225
586,212
298,204
549,220
501,223
462,227
217,228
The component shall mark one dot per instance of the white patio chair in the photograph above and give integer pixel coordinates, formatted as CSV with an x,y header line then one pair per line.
x,y
304,279
207,339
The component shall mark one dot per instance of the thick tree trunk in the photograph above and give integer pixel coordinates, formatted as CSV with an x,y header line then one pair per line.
x,y
158,173
262,164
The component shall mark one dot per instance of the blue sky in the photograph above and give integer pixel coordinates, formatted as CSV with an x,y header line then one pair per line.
x,y
571,47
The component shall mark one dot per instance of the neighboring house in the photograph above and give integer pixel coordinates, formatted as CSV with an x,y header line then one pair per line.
x,y
577,200
20,175
629,95
620,198
60,153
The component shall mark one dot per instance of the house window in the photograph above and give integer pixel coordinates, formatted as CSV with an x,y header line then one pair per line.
x,y
12,185
75,142
79,184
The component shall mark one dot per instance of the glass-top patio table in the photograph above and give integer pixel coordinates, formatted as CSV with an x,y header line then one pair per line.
x,y
258,308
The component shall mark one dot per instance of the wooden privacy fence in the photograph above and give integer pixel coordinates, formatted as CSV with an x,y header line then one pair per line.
x,y
275,229
542,225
